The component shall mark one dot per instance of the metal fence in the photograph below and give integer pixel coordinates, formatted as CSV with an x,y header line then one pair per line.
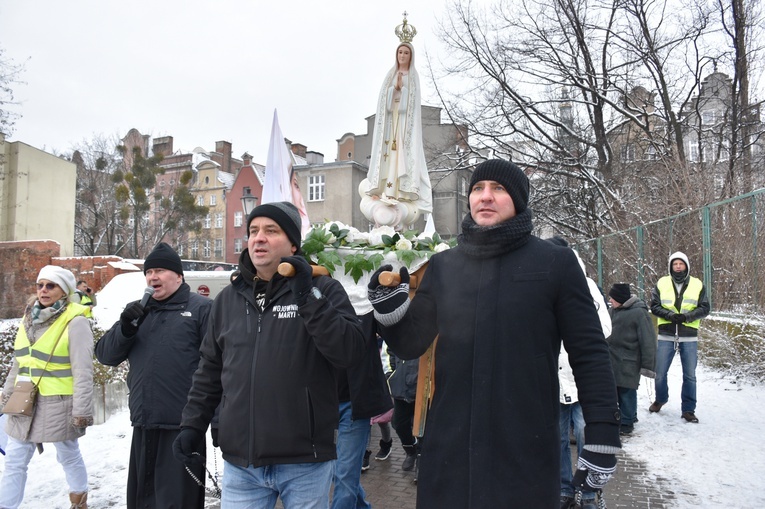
x,y
723,242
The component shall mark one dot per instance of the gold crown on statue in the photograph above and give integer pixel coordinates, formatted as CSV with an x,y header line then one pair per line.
x,y
405,32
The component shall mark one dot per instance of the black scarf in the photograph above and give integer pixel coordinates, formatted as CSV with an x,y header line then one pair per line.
x,y
490,241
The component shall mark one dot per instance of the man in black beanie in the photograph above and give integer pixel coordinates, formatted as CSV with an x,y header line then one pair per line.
x,y
500,302
271,354
160,336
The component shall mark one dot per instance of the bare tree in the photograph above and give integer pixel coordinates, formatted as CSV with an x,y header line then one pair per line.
x,y
10,73
98,230
547,83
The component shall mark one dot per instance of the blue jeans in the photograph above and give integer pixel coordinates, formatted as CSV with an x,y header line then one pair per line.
x,y
352,439
627,406
570,414
300,486
688,358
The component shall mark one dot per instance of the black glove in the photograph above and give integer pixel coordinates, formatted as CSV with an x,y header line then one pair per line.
x,y
390,302
302,282
593,470
678,318
130,314
214,433
186,447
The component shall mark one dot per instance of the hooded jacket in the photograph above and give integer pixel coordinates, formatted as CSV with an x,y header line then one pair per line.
x,y
680,285
273,371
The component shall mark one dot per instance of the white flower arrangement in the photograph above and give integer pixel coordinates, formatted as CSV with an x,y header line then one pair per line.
x,y
321,244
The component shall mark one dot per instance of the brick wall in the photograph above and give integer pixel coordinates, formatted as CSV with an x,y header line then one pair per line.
x,y
21,262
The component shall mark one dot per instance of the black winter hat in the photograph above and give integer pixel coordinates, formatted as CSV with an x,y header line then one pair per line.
x,y
286,216
163,257
509,175
620,292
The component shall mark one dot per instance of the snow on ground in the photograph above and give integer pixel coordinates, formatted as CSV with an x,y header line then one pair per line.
x,y
719,462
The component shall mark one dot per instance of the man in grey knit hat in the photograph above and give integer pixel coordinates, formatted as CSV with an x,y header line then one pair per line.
x,y
269,357
500,302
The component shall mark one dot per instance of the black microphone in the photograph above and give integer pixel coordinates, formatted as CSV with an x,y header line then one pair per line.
x,y
144,300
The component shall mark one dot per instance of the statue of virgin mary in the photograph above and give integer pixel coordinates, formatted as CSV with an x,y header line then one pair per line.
x,y
397,188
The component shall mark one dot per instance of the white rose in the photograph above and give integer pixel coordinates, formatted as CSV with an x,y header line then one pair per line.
x,y
375,236
332,239
443,246
403,244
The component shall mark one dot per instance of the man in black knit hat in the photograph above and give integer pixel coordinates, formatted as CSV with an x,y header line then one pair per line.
x,y
500,302
270,356
161,340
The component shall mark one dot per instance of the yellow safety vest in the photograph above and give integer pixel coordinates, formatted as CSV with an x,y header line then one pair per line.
x,y
55,379
690,302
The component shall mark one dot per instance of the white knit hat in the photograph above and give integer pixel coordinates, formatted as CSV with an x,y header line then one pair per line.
x,y
62,277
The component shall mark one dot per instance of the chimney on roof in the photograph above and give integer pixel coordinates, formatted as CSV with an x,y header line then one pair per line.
x,y
224,149
299,149
163,145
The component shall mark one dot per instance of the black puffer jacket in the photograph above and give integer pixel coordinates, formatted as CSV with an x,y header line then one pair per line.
x,y
163,356
273,371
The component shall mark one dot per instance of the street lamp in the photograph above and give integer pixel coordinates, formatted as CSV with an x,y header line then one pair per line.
x,y
248,201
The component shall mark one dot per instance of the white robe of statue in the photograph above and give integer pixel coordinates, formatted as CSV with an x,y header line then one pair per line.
x,y
397,188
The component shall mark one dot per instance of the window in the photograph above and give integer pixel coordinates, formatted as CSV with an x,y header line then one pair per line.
x,y
708,117
201,201
206,250
237,245
628,153
218,248
463,186
208,220
238,218
213,200
693,151
195,249
316,188
219,220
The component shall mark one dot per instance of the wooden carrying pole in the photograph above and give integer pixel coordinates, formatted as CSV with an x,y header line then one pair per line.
x,y
426,387
287,270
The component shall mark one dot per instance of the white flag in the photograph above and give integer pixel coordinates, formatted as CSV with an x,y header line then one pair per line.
x,y
280,182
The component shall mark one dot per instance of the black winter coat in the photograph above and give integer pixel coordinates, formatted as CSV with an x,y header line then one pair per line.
x,y
274,372
492,436
370,395
632,342
163,356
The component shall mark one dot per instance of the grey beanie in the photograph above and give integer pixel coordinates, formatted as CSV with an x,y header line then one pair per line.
x,y
509,175
286,216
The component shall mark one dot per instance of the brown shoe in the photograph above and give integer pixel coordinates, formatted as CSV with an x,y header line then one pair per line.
x,y
655,407
690,417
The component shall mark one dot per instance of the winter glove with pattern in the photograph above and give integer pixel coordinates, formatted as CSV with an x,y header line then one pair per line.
x,y
593,470
390,302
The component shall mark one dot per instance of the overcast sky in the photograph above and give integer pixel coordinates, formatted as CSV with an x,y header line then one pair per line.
x,y
204,71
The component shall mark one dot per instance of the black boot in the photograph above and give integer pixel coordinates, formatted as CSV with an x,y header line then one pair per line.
x,y
411,457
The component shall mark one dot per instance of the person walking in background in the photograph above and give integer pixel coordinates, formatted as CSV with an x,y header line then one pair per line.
x,y
570,409
403,388
500,304
363,394
53,349
161,342
384,420
271,355
679,301
632,345
85,294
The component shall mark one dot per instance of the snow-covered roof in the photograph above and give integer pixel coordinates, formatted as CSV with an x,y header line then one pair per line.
x,y
227,179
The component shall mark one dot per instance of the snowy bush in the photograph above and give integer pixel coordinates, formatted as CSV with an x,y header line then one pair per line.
x,y
733,346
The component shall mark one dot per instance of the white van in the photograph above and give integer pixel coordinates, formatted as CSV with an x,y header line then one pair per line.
x,y
127,287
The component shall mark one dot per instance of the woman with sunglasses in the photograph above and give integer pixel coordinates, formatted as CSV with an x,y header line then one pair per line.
x,y
53,349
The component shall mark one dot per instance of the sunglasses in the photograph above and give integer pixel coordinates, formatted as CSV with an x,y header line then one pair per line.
x,y
47,286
